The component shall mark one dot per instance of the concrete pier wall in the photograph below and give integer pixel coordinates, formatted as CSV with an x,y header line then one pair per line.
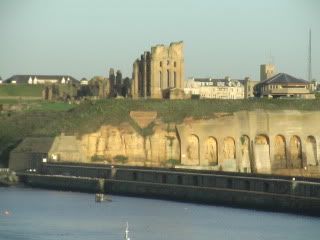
x,y
212,188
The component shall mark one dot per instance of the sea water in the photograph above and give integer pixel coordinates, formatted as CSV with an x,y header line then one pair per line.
x,y
35,214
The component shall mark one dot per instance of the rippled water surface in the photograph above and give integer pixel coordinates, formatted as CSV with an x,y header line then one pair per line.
x,y
52,215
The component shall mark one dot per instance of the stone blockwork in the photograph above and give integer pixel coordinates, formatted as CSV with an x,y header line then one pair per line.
x,y
257,141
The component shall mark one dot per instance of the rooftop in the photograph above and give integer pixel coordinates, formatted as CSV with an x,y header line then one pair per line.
x,y
284,79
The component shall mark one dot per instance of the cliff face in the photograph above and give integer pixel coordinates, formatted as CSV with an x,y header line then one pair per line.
x,y
122,144
257,141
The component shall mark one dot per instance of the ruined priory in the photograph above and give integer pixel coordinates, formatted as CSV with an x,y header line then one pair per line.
x,y
158,71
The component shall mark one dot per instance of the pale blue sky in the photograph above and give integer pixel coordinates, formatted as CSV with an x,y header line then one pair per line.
x,y
222,38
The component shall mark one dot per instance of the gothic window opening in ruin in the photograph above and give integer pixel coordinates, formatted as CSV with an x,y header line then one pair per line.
x,y
311,151
174,64
160,79
245,164
229,148
211,151
280,155
193,153
160,63
174,79
295,152
168,78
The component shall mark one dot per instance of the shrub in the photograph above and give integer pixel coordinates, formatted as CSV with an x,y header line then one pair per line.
x,y
97,158
120,159
173,162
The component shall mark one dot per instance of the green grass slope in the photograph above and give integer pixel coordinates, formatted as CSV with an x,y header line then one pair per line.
x,y
50,119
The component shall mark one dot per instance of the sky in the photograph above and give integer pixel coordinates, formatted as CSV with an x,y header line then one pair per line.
x,y
84,38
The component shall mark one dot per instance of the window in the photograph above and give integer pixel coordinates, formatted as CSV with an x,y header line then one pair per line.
x,y
168,62
168,78
266,187
135,176
163,178
247,185
195,181
179,179
160,63
174,64
174,79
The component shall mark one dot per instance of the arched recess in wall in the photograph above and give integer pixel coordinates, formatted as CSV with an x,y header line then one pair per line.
x,y
160,79
168,78
245,164
229,149
211,151
262,153
280,155
193,153
295,152
174,79
311,151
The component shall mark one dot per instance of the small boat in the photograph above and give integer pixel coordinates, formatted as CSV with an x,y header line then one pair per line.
x,y
126,235
99,197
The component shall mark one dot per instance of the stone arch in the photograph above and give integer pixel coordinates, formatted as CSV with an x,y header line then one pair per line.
x,y
262,153
229,148
193,153
295,152
262,140
211,151
311,151
280,154
245,165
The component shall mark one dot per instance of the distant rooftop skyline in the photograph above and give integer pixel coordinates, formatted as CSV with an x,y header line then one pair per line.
x,y
221,38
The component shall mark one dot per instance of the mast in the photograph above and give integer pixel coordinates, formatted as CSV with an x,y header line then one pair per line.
x,y
126,236
309,59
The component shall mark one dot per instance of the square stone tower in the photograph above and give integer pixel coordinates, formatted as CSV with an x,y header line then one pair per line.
x,y
267,71
158,70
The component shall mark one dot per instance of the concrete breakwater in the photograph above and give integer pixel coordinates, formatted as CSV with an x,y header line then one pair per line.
x,y
276,194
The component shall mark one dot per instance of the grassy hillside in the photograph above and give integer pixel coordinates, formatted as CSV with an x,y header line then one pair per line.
x,y
50,119
26,90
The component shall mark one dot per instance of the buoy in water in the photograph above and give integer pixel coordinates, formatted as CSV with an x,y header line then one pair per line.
x,y
6,213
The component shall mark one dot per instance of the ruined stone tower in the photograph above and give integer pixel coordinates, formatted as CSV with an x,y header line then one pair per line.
x,y
158,70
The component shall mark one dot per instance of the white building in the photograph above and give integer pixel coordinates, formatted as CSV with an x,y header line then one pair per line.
x,y
210,88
